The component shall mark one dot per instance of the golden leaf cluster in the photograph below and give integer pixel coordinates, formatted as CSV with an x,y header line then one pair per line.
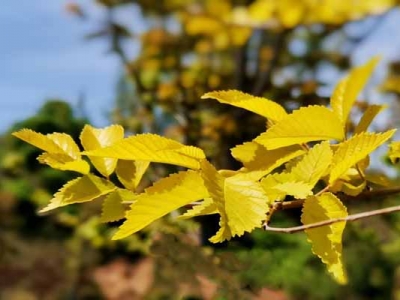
x,y
308,154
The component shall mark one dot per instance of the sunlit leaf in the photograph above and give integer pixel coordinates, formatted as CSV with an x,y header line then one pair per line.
x,y
130,172
313,164
354,150
326,240
256,157
278,185
206,207
242,204
246,205
166,195
307,124
351,183
64,162
346,92
96,138
60,143
66,143
353,189
153,148
113,208
368,117
214,183
269,184
81,189
258,105
38,140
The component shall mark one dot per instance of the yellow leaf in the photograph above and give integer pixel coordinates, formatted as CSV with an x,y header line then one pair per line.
x,y
242,204
223,233
153,148
59,143
326,241
297,189
351,182
354,150
313,164
251,175
113,208
166,195
207,207
378,179
261,10
307,124
130,172
278,185
214,183
368,116
270,182
202,25
81,189
394,152
96,138
261,106
353,189
346,92
64,162
38,140
246,205
66,143
291,12
256,157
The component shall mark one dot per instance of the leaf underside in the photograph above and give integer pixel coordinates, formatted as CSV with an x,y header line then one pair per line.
x,y
326,241
166,195
261,106
79,190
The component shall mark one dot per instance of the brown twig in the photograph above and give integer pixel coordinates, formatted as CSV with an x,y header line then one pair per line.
x,y
332,221
116,47
283,205
325,189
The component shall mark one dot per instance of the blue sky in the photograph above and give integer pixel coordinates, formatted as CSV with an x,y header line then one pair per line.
x,y
43,55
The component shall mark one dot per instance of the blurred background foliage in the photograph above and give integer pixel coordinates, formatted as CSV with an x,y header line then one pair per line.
x,y
279,49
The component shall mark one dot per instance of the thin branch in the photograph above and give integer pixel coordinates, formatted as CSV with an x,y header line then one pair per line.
x,y
240,63
283,205
116,47
360,172
305,146
264,80
325,189
332,221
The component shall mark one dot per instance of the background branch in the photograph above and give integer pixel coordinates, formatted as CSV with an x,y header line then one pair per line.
x,y
264,80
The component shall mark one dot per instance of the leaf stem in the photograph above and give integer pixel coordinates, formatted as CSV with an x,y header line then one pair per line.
x,y
359,172
325,189
305,146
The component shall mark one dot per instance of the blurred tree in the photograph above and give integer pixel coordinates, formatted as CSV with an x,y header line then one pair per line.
x,y
277,49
